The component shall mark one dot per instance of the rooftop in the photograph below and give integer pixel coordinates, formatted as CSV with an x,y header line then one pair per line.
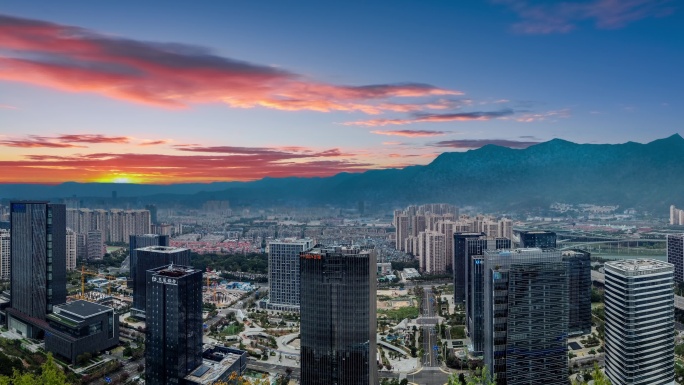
x,y
174,271
81,309
162,249
643,266
215,362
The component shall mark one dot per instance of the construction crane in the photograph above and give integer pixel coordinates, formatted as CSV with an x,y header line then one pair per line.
x,y
85,272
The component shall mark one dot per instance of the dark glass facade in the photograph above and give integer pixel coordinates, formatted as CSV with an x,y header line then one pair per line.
x,y
675,255
475,287
38,257
526,317
173,339
540,239
148,258
579,291
338,316
80,327
461,264
140,241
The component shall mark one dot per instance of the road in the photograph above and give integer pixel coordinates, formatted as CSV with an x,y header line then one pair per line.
x,y
429,331
272,368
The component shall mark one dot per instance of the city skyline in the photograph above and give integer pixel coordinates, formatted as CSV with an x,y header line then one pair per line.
x,y
98,93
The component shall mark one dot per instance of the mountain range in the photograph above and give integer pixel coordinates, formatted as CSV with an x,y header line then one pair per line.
x,y
649,176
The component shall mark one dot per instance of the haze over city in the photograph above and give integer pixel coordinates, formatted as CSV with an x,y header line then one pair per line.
x,y
222,91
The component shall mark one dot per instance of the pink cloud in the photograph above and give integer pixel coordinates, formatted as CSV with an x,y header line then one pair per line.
x,y
411,133
175,75
434,118
63,141
153,142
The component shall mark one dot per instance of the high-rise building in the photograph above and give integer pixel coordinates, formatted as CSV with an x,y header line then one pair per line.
x,y
639,322
435,245
460,262
283,272
526,316
676,216
173,338
579,291
536,238
5,265
71,250
401,223
153,213
38,260
140,241
116,225
475,248
675,255
94,245
338,316
152,257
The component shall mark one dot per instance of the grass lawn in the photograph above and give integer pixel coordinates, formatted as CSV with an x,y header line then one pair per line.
x,y
400,313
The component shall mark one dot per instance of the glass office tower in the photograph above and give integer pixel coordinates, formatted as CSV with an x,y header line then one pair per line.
x,y
38,260
173,338
148,258
640,322
526,316
338,316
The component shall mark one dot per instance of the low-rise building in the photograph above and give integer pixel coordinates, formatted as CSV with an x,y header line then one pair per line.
x,y
80,327
219,363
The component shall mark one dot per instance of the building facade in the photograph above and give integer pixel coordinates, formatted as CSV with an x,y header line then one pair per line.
x,y
140,241
80,327
338,316
116,225
71,250
5,263
536,238
152,257
173,337
675,255
283,272
525,289
639,322
460,262
95,245
579,291
38,260
475,248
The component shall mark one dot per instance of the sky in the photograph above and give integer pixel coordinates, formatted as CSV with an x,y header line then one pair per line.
x,y
177,92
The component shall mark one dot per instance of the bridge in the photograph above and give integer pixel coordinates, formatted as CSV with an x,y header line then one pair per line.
x,y
610,241
601,278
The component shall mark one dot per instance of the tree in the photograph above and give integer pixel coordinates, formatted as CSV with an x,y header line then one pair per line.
x,y
598,376
478,378
51,373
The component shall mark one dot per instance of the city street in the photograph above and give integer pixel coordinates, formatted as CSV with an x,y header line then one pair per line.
x,y
430,349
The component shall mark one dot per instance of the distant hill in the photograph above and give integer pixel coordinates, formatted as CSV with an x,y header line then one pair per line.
x,y
631,174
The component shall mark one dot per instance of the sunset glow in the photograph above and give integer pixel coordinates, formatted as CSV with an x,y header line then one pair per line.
x,y
236,92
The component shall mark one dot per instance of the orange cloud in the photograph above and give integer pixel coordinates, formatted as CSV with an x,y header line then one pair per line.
x,y
411,133
218,164
176,75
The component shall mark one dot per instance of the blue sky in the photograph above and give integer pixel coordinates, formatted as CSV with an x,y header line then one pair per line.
x,y
314,88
